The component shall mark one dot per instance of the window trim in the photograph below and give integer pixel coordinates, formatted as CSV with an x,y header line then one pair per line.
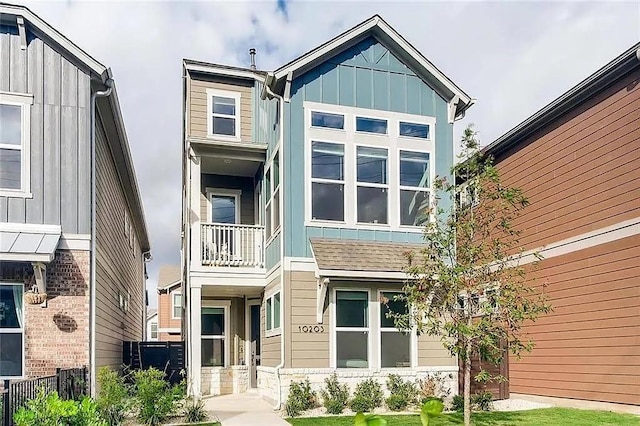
x,y
223,192
273,331
429,189
226,305
358,184
173,304
413,336
13,330
151,324
24,101
331,129
210,114
273,189
333,338
415,137
312,180
371,117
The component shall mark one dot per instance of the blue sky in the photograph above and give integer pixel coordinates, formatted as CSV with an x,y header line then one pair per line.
x,y
514,57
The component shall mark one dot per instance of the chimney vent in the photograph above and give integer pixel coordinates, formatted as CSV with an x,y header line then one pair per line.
x,y
252,53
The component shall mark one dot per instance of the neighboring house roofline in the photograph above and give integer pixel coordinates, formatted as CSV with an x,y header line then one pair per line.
x,y
586,89
224,70
387,35
169,286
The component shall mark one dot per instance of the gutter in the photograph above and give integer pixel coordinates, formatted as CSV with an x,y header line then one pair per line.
x,y
108,81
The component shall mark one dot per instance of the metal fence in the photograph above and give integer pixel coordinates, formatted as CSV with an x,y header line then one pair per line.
x,y
70,383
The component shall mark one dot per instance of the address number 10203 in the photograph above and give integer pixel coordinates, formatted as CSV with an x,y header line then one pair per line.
x,y
311,328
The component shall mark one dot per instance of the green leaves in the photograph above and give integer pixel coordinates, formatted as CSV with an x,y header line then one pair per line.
x,y
431,408
370,420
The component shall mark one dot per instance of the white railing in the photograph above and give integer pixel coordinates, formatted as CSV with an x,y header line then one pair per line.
x,y
232,245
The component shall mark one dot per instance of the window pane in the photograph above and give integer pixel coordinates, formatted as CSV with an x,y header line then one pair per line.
x,y
223,209
323,119
269,313
213,352
372,165
177,305
212,321
276,310
10,168
388,304
10,354
327,160
395,349
327,201
10,124
414,208
268,221
414,169
276,209
352,309
267,184
224,126
371,125
11,306
414,130
276,170
223,105
352,349
372,205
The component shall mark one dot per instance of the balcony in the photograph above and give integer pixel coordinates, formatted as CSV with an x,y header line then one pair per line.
x,y
233,246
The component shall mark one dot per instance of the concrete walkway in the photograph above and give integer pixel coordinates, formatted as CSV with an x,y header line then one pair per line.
x,y
246,409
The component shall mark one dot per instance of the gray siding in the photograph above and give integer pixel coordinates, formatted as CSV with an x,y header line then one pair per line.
x,y
244,184
60,154
270,354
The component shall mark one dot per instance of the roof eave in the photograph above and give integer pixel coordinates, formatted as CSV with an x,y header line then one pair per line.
x,y
223,71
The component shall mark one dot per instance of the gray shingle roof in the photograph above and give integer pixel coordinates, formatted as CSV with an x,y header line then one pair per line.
x,y
168,275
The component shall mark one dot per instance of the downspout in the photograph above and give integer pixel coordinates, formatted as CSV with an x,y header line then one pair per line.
x,y
108,81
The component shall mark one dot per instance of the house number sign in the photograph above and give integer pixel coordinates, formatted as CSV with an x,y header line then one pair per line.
x,y
311,328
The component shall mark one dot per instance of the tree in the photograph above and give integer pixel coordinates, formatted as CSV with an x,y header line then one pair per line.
x,y
467,284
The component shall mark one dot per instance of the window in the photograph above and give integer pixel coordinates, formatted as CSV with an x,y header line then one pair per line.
x,y
272,183
468,194
213,326
395,346
414,130
414,188
372,203
371,125
224,119
331,121
272,312
154,330
352,329
15,115
11,330
327,181
176,305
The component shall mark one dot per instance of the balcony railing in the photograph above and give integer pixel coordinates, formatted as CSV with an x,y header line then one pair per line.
x,y
232,245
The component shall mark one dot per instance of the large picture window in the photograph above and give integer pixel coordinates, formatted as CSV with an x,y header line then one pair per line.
x,y
352,329
327,181
214,322
11,330
414,188
395,346
224,118
372,200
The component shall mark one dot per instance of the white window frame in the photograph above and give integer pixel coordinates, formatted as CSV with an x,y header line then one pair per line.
x,y
173,304
210,114
225,304
415,137
23,100
273,331
413,337
359,184
342,182
16,330
224,192
151,324
268,206
428,189
329,129
350,138
335,329
372,117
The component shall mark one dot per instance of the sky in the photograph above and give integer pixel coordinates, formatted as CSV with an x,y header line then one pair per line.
x,y
513,57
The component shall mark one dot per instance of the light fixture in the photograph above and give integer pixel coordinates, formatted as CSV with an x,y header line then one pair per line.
x,y
227,161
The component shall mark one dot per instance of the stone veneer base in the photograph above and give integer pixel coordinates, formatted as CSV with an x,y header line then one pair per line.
x,y
225,380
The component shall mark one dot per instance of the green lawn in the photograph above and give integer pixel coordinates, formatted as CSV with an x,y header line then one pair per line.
x,y
542,417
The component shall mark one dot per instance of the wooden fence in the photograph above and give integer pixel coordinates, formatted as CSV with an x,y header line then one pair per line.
x,y
164,356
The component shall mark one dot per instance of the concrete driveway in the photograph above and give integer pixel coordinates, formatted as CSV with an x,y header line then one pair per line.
x,y
245,409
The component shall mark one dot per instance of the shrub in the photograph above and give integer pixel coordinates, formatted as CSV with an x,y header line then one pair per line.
x,y
154,398
47,409
458,403
433,386
367,397
113,400
402,393
482,400
335,395
301,398
194,411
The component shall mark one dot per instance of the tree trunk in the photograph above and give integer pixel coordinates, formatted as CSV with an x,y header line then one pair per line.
x,y
467,383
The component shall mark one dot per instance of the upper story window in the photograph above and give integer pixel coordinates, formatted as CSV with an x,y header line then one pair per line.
x,y
371,125
11,330
154,330
414,188
327,181
272,192
176,305
223,113
15,118
414,130
323,119
373,185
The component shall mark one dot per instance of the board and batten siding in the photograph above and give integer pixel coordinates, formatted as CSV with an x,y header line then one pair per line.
x,y
266,120
119,268
366,75
582,172
270,352
60,133
197,101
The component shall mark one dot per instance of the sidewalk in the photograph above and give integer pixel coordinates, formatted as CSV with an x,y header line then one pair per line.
x,y
246,409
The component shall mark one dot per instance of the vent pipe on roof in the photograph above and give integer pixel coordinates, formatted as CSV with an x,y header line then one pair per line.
x,y
252,53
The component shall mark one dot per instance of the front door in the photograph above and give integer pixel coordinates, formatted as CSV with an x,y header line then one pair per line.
x,y
255,344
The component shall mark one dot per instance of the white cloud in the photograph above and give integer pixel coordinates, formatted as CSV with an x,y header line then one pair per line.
x,y
513,56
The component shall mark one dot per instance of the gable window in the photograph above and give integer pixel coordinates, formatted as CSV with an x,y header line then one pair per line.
x,y
371,125
223,111
176,305
414,130
327,181
15,117
352,329
214,324
414,188
272,313
323,119
154,330
11,330
395,346
372,182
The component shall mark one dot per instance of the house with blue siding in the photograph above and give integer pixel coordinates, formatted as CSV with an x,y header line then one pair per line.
x,y
304,189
